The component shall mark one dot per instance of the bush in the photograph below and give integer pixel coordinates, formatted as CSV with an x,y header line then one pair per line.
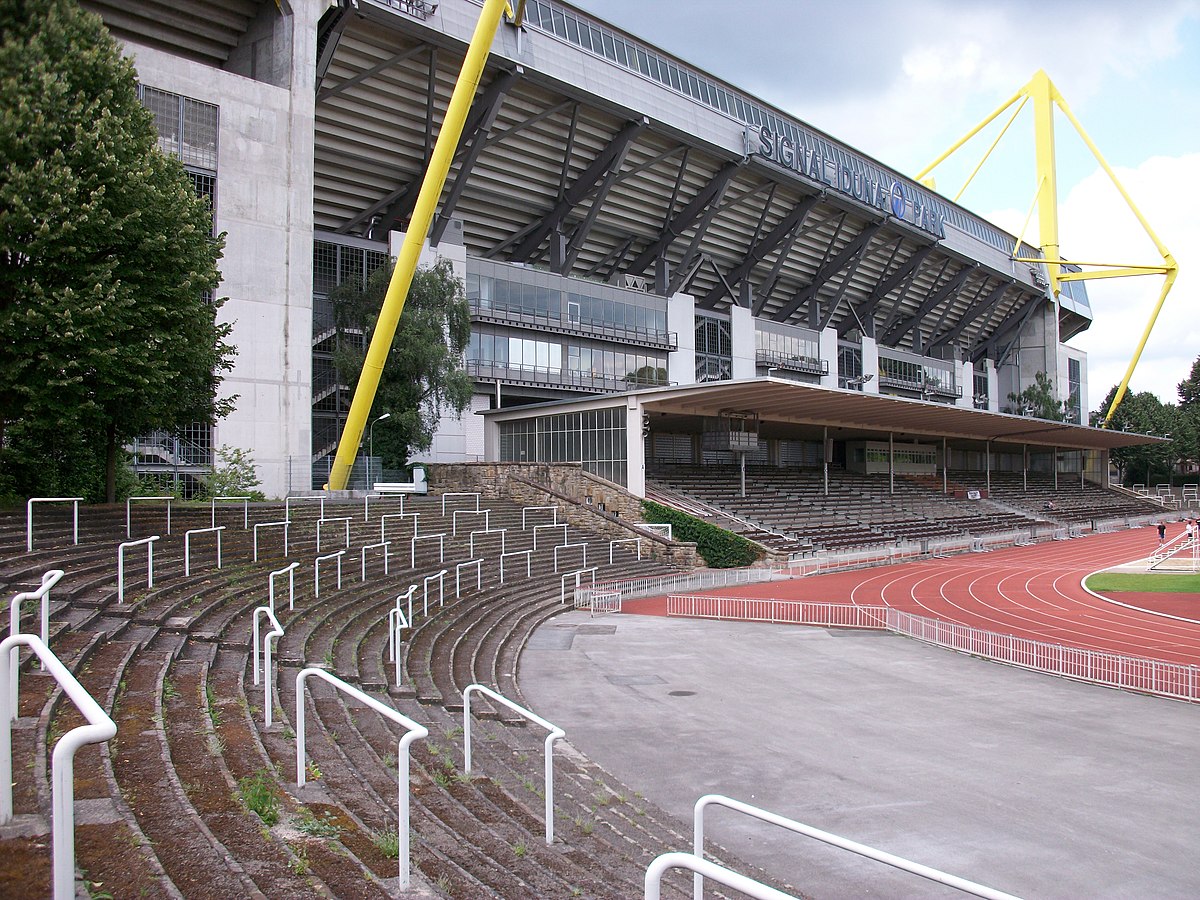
x,y
719,548
233,476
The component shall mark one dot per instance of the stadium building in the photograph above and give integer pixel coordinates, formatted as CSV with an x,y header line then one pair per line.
x,y
661,268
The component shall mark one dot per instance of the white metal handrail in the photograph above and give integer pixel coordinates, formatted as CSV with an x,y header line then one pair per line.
x,y
446,497
100,728
128,518
317,570
187,546
49,579
287,504
74,501
284,525
554,735
569,547
478,564
528,562
613,544
440,578
290,571
415,732
245,509
320,522
503,532
149,542
657,585
275,632
529,509
769,609
727,877
486,513
576,575
428,537
386,545
369,497
400,515
537,528
834,840
396,621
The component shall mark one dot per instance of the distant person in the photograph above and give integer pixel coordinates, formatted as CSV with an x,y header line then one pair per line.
x,y
1049,505
1191,528
1162,533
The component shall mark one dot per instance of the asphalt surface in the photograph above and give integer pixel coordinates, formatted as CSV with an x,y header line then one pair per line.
x,y
1025,783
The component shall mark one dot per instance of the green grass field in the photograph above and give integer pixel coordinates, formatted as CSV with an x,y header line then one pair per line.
x,y
1167,584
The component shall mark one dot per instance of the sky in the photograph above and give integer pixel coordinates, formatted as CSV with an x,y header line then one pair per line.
x,y
903,82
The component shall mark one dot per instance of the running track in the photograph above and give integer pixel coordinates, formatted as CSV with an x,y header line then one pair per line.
x,y
1033,592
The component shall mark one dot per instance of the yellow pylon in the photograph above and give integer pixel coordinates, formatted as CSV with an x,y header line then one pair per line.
x,y
1045,97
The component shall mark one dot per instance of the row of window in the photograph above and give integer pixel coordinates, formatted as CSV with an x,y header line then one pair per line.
x,y
919,375
787,346
336,264
595,438
486,292
511,351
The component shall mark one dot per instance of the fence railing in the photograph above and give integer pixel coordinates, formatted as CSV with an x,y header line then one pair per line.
x,y
74,501
245,509
386,545
554,735
396,621
276,632
657,585
337,554
708,869
187,546
284,525
826,837
415,732
149,542
99,728
1139,674
49,579
290,571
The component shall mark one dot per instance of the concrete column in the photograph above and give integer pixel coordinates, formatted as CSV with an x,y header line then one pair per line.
x,y
741,322
870,364
993,385
828,348
681,319
635,448
966,380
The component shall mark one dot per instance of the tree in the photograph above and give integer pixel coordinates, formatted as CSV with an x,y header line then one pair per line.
x,y
1143,413
423,378
1038,400
106,257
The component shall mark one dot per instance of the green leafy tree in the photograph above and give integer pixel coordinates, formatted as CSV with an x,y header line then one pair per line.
x,y
424,377
1143,413
1038,400
234,475
106,259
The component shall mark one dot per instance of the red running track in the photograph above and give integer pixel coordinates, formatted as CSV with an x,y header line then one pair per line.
x,y
1033,592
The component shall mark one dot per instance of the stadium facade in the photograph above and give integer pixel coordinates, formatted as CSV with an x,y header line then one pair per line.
x,y
654,259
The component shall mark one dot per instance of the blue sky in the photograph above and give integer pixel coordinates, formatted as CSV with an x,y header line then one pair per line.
x,y
904,81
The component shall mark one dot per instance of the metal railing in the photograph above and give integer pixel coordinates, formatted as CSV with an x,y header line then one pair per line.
x,y
129,519
707,869
99,728
187,546
613,544
400,515
825,837
290,570
275,632
1146,676
503,532
416,731
323,520
369,497
570,547
440,578
386,545
74,501
396,621
245,510
577,577
657,585
537,528
486,513
338,554
284,525
149,542
554,735
478,564
440,538
49,579
528,562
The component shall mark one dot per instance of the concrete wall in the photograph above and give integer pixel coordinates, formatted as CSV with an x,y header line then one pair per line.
x,y
264,205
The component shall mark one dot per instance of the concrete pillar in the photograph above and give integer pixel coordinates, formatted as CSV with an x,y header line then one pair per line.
x,y
870,364
828,348
635,448
681,319
741,328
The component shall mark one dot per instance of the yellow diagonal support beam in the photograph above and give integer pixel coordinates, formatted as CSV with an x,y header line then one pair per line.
x,y
1046,98
410,250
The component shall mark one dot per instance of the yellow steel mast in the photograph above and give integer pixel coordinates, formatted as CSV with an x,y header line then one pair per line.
x,y
410,250
1045,97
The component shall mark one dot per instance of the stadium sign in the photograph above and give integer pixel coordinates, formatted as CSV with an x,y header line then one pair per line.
x,y
888,195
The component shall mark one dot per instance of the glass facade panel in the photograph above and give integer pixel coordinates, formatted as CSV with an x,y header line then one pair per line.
x,y
595,438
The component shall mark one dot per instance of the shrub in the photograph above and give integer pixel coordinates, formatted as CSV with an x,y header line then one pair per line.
x,y
719,548
234,475
259,795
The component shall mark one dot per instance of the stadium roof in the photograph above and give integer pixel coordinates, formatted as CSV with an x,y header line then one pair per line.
x,y
789,408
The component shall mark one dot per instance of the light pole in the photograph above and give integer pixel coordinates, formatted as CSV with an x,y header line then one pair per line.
x,y
371,435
